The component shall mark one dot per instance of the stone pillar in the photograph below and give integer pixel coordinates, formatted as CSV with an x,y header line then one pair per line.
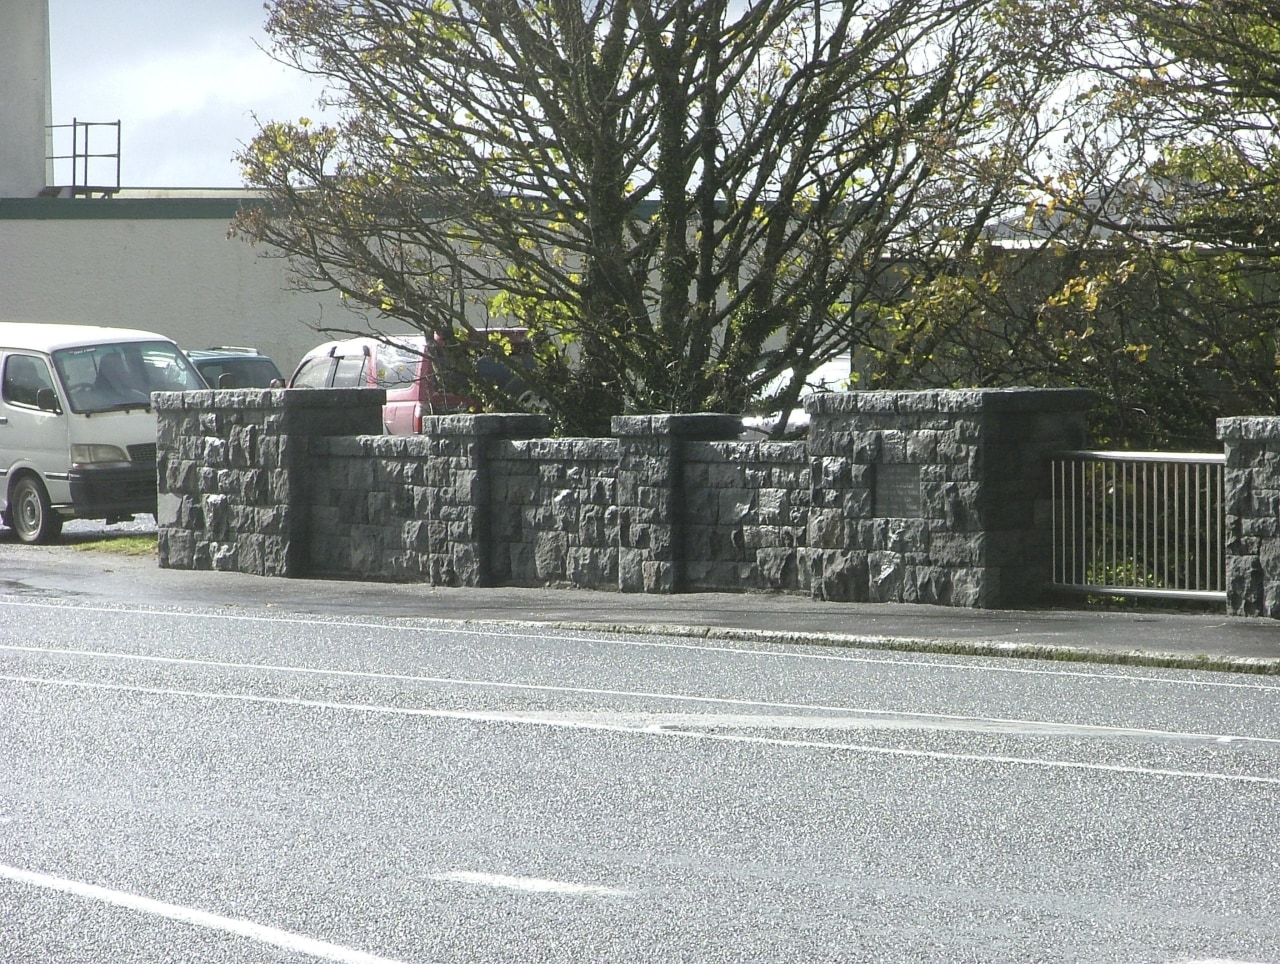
x,y
939,497
651,554
232,469
1251,505
456,510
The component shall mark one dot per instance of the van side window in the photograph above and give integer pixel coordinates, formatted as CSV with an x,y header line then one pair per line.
x,y
24,376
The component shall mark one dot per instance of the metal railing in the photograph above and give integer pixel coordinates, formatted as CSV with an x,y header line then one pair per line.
x,y
92,172
1139,524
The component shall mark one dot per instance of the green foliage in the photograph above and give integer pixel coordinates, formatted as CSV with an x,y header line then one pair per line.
x,y
1169,339
1145,263
124,545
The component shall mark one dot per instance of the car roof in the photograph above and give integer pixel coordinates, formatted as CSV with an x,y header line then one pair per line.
x,y
39,336
230,351
353,345
346,346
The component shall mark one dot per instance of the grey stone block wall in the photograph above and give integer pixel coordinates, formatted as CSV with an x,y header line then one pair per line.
x,y
368,510
748,507
554,513
1251,506
417,507
937,497
931,497
653,509
232,473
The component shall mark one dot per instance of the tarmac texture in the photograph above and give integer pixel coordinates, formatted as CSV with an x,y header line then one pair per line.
x,y
84,569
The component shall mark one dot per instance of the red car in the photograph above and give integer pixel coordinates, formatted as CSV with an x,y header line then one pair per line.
x,y
413,370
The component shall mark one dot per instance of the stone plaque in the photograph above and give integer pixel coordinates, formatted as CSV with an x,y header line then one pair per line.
x,y
897,492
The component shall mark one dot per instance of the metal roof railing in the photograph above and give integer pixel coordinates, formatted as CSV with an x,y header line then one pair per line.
x,y
88,165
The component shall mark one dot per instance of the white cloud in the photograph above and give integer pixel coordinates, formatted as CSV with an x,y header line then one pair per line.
x,y
184,83
197,80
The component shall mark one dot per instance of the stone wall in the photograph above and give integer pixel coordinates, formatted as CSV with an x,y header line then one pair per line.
x,y
654,513
934,497
555,515
939,497
1251,504
417,507
747,509
233,470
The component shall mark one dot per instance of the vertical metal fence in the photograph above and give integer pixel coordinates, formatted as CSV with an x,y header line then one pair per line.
x,y
1139,524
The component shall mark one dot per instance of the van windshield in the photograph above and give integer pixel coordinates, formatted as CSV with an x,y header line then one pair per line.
x,y
118,377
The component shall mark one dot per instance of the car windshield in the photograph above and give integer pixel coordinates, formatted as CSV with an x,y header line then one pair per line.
x,y
118,377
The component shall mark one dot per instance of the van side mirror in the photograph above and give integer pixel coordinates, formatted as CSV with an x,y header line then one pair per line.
x,y
47,400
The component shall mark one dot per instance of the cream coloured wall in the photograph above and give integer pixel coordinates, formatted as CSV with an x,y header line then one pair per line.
x,y
24,97
163,265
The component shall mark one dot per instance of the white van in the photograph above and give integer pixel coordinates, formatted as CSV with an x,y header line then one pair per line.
x,y
77,433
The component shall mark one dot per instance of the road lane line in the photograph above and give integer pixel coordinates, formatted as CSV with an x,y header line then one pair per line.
x,y
535,885
937,720
992,664
523,719
296,943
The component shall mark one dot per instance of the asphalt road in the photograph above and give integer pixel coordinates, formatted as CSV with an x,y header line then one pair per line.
x,y
84,568
198,785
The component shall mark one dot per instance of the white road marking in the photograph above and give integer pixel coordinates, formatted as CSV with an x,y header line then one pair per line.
x,y
849,716
565,722
536,885
456,627
189,915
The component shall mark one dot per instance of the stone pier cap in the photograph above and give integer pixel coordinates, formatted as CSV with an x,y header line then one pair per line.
x,y
1001,400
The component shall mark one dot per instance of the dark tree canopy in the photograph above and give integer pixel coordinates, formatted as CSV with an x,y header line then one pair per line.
x,y
1145,264
1191,304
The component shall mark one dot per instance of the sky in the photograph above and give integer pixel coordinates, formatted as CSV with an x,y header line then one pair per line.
x,y
184,78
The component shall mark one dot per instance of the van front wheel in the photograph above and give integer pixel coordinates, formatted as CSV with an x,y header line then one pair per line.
x,y
33,519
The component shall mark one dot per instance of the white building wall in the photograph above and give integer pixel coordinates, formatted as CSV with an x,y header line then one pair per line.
x,y
25,97
178,275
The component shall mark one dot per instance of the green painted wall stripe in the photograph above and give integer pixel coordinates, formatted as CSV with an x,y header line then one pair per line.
x,y
161,208
122,209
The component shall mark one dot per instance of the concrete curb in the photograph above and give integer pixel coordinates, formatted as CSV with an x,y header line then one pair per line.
x,y
908,644
1211,642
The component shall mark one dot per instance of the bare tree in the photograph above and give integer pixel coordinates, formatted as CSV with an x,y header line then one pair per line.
x,y
679,200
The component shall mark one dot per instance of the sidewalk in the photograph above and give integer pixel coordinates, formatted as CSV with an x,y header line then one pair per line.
x,y
85,575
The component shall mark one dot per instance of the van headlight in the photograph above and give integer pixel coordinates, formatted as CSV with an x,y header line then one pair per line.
x,y
98,456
